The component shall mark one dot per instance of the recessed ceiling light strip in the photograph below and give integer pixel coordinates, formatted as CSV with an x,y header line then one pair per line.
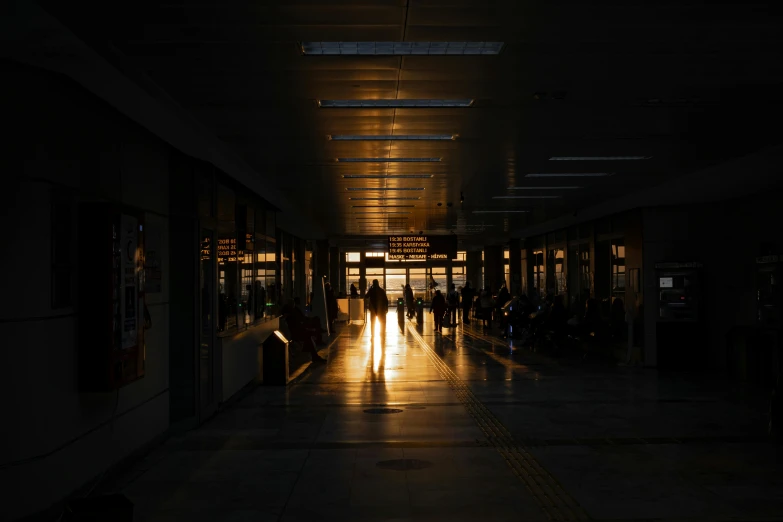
x,y
498,211
388,160
395,103
401,48
598,158
385,199
382,213
544,188
389,137
567,175
389,176
372,189
526,197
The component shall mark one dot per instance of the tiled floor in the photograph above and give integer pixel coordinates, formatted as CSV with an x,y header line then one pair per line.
x,y
623,443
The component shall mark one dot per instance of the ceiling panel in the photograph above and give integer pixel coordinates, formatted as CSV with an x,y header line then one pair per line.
x,y
687,84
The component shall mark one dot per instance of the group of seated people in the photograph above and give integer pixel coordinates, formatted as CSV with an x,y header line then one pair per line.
x,y
551,316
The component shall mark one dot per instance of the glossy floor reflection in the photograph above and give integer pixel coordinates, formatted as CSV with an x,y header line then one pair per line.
x,y
383,431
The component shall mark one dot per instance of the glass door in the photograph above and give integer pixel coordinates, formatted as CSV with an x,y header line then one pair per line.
x,y
395,283
417,278
208,322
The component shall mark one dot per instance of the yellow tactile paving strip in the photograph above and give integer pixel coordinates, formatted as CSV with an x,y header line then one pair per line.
x,y
554,501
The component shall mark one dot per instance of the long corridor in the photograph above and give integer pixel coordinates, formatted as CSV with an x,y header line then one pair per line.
x,y
460,426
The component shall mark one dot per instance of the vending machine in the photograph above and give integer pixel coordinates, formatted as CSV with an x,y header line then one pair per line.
x,y
111,309
680,336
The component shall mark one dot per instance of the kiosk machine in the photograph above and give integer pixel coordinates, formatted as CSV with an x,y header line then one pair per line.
x,y
681,338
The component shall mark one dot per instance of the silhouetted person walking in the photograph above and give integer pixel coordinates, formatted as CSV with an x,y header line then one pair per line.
x,y
452,299
378,305
438,309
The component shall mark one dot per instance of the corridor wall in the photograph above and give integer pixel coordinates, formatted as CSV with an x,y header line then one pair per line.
x,y
67,144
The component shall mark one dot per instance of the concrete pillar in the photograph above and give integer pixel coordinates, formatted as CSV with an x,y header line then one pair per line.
x,y
300,270
493,267
515,266
336,275
473,268
320,269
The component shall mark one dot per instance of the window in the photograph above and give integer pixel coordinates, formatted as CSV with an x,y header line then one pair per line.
x,y
458,276
309,274
375,273
538,271
352,257
418,280
618,269
395,283
439,277
585,279
557,282
461,256
352,277
374,254
271,268
506,270
230,256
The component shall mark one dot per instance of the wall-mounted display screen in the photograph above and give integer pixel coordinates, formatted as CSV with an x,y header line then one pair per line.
x,y
666,282
423,247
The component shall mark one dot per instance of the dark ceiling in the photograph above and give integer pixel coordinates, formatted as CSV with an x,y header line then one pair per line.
x,y
687,85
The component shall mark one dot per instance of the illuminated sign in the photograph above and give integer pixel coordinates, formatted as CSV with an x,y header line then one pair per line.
x,y
227,249
422,247
206,248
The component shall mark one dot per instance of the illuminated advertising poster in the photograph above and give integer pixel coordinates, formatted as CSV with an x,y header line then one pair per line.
x,y
423,248
129,227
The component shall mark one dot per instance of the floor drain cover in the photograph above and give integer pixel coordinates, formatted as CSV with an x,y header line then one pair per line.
x,y
382,411
404,464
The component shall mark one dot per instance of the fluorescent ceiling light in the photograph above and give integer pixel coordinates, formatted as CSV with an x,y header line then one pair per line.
x,y
392,103
401,48
383,199
370,189
388,160
382,213
392,176
597,158
497,211
384,206
525,197
543,188
568,175
393,137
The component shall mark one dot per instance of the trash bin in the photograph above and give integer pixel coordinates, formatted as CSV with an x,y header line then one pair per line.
x,y
356,312
275,355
